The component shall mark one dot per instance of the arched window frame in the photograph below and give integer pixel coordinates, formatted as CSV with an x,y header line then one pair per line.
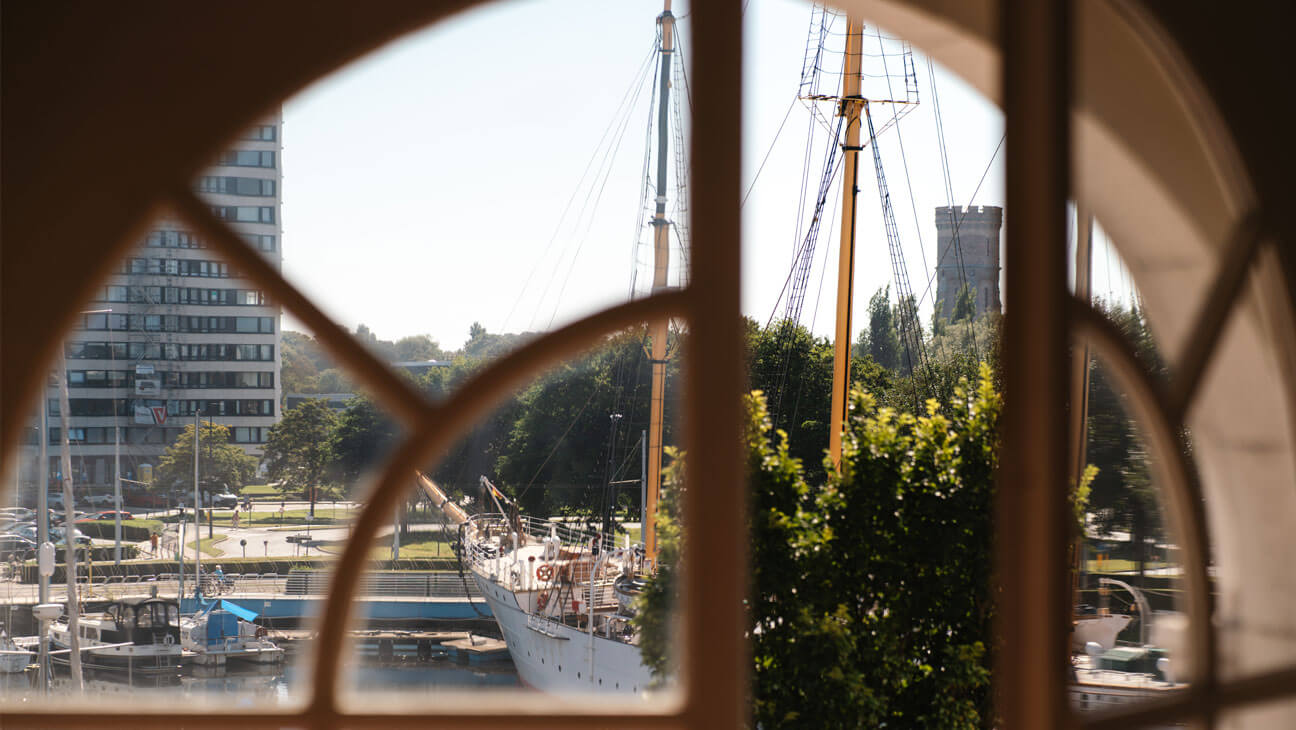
x,y
1036,45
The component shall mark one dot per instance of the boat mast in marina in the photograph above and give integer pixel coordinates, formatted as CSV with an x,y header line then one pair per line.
x,y
197,524
69,521
658,330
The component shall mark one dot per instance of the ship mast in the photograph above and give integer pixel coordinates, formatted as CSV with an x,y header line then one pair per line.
x,y
851,101
658,330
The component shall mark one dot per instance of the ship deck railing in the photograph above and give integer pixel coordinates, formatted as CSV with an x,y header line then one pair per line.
x,y
535,530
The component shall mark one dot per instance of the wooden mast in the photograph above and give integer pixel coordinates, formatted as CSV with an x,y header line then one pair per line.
x,y
658,331
851,102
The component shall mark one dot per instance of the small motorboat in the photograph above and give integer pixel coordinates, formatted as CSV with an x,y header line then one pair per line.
x,y
224,631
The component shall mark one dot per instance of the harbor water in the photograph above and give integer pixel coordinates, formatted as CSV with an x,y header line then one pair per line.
x,y
265,685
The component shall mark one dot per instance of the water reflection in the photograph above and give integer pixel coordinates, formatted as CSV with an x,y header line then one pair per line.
x,y
261,685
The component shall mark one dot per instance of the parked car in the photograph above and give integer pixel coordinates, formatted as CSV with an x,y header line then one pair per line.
x,y
106,515
22,529
21,514
16,547
78,537
223,500
99,500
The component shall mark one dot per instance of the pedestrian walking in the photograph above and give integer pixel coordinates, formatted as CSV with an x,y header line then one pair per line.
x,y
153,544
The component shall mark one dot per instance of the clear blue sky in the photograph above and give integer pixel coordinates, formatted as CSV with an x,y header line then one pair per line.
x,y
424,187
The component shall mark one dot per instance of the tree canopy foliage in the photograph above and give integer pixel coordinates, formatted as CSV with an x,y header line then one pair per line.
x,y
857,610
1122,497
299,450
219,461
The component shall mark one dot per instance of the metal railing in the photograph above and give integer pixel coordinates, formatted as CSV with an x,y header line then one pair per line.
x,y
429,584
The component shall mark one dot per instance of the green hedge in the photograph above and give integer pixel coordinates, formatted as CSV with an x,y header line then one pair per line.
x,y
132,530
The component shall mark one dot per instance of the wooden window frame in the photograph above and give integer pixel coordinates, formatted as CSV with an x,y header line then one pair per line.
x,y
1036,47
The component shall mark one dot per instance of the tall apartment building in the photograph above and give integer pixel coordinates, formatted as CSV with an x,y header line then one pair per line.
x,y
972,259
186,334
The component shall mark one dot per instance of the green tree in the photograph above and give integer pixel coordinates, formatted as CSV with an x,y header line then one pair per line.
x,y
884,341
301,359
660,598
483,345
908,359
363,437
556,453
299,449
418,347
858,614
334,380
794,369
964,304
219,461
1122,497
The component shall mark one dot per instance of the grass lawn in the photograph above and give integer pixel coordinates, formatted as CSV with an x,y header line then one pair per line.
x,y
1120,566
263,515
413,546
325,514
209,545
258,490
270,493
147,524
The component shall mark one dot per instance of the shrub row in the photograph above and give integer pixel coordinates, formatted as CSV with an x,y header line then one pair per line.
x,y
132,530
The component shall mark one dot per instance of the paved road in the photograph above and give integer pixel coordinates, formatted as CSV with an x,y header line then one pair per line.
x,y
274,541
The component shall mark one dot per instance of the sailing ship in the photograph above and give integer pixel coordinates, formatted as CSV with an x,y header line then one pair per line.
x,y
563,597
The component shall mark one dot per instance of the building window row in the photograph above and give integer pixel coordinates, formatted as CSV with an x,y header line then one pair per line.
x,y
172,239
167,351
246,158
140,435
249,434
178,267
225,407
184,239
178,323
262,133
96,407
107,407
245,213
226,185
169,379
261,241
183,295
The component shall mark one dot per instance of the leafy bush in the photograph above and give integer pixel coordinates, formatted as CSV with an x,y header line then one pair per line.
x,y
871,604
132,530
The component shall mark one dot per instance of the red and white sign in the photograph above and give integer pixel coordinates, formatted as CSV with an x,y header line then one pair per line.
x,y
150,415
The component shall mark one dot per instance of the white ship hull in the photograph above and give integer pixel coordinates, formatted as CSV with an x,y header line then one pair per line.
x,y
562,597
1101,630
552,657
